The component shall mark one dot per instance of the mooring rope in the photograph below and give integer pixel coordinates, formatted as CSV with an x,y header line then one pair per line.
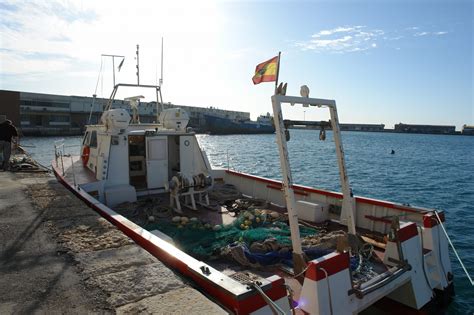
x,y
454,249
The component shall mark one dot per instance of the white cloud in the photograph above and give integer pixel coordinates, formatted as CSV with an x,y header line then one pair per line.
x,y
394,38
342,39
348,39
335,30
418,34
32,33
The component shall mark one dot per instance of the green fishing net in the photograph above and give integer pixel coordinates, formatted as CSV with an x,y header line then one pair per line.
x,y
203,240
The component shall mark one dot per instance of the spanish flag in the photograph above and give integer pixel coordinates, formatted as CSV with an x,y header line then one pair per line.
x,y
266,71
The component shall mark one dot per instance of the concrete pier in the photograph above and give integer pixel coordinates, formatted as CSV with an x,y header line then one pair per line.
x,y
59,256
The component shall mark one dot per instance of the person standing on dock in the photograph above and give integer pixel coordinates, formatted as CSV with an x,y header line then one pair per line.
x,y
7,133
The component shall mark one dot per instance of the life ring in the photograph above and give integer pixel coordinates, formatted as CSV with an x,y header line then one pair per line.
x,y
85,155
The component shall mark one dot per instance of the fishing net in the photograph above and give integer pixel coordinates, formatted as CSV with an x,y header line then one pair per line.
x,y
204,241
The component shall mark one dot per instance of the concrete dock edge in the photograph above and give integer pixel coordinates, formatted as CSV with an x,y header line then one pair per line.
x,y
59,256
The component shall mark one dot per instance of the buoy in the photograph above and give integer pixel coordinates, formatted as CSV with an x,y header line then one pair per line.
x,y
85,155
393,152
322,134
274,215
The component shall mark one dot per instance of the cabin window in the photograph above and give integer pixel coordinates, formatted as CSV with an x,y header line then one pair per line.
x,y
86,139
93,142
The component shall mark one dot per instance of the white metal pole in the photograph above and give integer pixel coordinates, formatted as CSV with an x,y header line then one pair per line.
x,y
113,67
277,72
348,202
287,182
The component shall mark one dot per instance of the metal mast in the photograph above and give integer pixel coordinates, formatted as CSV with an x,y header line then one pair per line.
x,y
161,78
138,67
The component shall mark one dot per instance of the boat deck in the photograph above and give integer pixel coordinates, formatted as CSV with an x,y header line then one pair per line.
x,y
74,171
220,215
219,212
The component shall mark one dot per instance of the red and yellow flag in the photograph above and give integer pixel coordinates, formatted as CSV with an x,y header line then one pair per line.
x,y
266,71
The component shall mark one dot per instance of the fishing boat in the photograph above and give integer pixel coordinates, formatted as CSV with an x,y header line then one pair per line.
x,y
256,245
224,126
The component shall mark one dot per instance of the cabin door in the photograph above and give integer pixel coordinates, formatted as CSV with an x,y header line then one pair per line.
x,y
157,161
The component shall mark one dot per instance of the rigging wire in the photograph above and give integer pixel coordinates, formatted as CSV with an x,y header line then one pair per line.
x,y
95,91
100,71
101,84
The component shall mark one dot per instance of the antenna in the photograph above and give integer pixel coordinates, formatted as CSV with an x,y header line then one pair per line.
x,y
161,78
138,67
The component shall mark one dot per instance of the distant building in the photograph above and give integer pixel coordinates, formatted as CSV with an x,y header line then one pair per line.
x,y
432,129
467,130
362,127
50,114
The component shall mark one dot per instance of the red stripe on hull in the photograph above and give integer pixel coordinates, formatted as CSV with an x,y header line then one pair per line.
x,y
407,231
332,265
377,219
430,220
297,192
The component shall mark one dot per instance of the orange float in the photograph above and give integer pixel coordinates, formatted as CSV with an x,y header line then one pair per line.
x,y
85,155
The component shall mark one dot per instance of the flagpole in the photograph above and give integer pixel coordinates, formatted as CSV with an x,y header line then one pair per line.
x,y
113,63
278,72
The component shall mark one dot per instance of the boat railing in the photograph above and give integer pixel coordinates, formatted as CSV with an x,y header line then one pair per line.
x,y
157,88
230,161
60,153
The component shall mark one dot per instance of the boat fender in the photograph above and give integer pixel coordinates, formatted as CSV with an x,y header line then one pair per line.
x,y
85,155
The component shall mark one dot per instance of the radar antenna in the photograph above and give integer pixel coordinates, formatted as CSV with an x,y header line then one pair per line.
x,y
134,101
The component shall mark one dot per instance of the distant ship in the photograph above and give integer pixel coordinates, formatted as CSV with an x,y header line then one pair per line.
x,y
224,126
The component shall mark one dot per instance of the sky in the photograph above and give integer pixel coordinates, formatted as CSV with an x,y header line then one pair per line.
x,y
382,61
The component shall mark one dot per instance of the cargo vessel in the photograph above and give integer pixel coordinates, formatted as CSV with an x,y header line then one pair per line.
x,y
224,126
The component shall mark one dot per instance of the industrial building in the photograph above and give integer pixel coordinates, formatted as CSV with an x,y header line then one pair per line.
x,y
41,114
362,127
468,130
49,114
432,129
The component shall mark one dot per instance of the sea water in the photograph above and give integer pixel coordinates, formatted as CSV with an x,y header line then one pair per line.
x,y
433,171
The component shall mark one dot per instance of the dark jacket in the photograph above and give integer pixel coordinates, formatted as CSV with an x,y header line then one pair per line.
x,y
7,131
